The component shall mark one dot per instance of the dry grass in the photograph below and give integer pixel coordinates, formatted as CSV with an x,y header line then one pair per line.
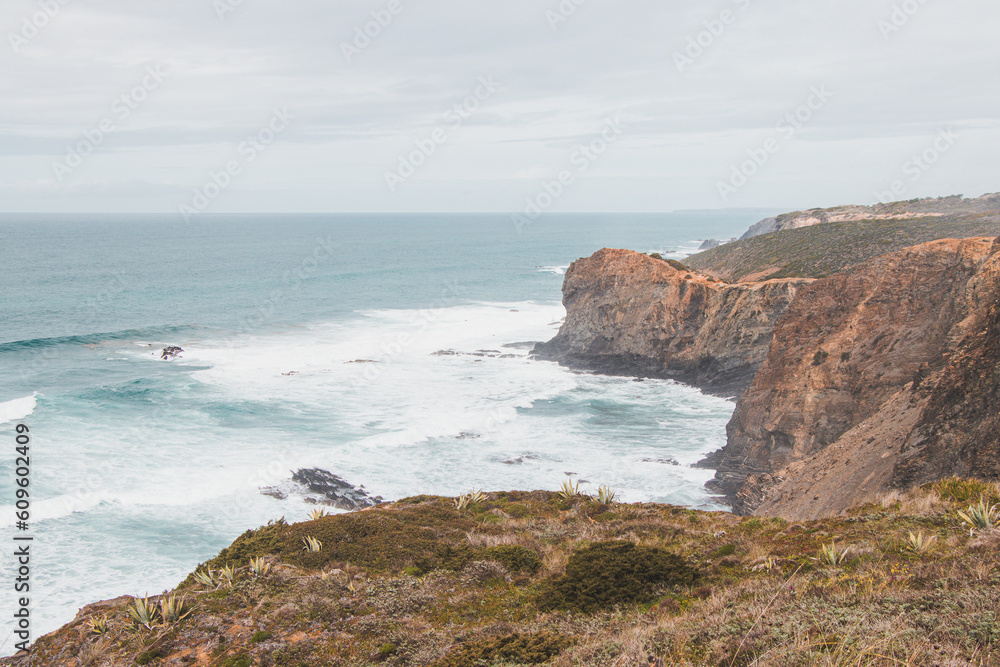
x,y
762,599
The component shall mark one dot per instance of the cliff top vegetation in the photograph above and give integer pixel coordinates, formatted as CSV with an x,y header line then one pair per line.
x,y
823,249
517,578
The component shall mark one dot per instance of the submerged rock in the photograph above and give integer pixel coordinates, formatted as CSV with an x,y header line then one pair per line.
x,y
171,352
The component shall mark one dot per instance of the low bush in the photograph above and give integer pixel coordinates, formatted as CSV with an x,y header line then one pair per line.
x,y
517,649
606,574
515,558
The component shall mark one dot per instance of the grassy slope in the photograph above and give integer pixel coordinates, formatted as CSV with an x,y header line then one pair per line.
x,y
820,250
503,582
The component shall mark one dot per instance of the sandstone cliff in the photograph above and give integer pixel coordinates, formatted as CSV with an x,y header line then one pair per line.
x,y
880,377
629,313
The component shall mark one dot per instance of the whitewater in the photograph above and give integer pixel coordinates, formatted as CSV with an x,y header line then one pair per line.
x,y
396,358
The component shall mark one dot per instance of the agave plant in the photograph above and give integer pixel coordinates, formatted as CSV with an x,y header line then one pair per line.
x,y
919,543
469,498
143,612
259,567
206,578
980,516
174,608
569,490
99,625
226,575
312,544
605,495
318,513
828,554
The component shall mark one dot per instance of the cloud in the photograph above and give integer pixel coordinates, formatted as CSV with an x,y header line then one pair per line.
x,y
355,116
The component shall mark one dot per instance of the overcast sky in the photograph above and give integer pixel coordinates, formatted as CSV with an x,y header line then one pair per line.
x,y
126,105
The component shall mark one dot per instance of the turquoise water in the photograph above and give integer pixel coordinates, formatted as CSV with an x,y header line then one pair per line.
x,y
143,468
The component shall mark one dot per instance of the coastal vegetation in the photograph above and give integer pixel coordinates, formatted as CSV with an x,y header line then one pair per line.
x,y
525,578
823,249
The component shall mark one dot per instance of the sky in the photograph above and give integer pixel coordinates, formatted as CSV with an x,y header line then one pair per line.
x,y
193,106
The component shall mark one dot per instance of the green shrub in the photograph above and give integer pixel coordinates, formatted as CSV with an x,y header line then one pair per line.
x,y
515,558
964,491
517,649
606,574
261,636
379,540
820,357
149,656
724,550
656,255
678,265
517,510
386,651
237,661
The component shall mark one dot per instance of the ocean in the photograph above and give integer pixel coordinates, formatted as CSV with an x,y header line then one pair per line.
x,y
142,468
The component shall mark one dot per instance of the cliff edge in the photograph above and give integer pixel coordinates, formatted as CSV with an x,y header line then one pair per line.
x,y
880,377
632,314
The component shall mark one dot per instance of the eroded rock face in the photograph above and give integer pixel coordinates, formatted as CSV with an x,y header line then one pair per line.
x,y
824,421
630,314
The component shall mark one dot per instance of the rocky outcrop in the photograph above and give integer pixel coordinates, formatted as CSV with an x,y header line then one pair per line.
x,y
879,377
321,487
917,208
628,313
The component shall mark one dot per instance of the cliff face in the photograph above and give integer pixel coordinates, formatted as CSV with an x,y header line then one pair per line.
x,y
629,313
880,377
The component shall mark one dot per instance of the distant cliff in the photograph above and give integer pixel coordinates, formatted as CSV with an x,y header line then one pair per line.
x,y
628,313
901,210
878,378
819,243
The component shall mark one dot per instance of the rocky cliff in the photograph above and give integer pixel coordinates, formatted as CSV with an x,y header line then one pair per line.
x,y
880,377
903,210
628,313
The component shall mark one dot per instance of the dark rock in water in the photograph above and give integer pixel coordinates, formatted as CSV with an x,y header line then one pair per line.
x,y
333,490
468,435
171,352
273,492
444,353
523,345
709,244
668,461
362,361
